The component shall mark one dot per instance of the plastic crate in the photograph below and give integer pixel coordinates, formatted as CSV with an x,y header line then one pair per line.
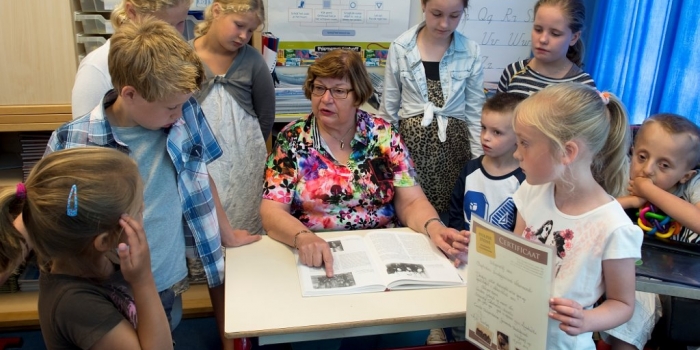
x,y
108,5
95,24
190,23
91,42
96,5
200,5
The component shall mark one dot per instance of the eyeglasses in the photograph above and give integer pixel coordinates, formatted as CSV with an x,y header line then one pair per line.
x,y
320,90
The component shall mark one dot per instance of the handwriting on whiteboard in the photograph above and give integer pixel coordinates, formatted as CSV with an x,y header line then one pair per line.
x,y
503,30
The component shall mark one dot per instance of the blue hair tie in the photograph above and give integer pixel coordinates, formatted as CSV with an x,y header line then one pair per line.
x,y
73,195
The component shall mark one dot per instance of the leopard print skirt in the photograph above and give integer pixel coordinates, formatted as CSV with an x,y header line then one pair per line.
x,y
437,163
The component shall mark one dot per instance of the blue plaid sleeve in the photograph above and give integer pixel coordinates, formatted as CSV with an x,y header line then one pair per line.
x,y
201,131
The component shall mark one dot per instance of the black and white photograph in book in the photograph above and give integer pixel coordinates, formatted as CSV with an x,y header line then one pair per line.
x,y
406,269
338,281
336,246
503,343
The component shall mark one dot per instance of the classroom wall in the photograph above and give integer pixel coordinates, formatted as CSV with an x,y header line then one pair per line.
x,y
416,14
511,37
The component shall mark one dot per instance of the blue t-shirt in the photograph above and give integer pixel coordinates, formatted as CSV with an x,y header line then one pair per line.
x,y
162,208
490,197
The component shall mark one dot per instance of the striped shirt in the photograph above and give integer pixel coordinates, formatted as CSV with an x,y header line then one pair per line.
x,y
519,78
191,145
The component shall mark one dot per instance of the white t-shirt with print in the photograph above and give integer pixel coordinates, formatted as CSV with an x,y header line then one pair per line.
x,y
582,242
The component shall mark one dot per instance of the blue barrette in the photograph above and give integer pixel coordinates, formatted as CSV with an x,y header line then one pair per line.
x,y
72,196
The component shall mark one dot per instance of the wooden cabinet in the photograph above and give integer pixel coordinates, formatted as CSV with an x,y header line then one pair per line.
x,y
39,61
38,52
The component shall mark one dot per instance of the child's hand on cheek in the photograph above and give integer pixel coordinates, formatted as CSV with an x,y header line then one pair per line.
x,y
569,313
638,186
134,255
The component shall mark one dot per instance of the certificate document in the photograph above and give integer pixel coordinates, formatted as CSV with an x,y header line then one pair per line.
x,y
509,283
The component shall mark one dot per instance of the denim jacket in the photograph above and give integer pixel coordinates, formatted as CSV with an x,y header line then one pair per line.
x,y
461,76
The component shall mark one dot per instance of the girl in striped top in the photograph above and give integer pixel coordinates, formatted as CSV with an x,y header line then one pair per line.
x,y
556,48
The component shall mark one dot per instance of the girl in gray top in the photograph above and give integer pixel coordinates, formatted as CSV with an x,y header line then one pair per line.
x,y
238,98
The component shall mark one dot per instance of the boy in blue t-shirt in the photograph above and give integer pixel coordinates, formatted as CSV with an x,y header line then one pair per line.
x,y
486,185
151,115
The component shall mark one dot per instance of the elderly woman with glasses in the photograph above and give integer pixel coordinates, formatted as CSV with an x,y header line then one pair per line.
x,y
341,168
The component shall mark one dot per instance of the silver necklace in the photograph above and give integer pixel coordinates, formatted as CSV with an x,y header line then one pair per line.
x,y
342,143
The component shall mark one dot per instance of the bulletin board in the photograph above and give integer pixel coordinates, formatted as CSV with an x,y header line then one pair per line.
x,y
309,28
501,27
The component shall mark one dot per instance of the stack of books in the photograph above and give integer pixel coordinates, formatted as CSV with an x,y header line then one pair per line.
x,y
289,92
270,43
28,280
11,285
33,148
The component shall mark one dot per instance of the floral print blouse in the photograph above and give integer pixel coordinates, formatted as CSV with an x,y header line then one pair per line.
x,y
328,196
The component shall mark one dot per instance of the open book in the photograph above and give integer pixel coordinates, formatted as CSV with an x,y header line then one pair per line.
x,y
379,261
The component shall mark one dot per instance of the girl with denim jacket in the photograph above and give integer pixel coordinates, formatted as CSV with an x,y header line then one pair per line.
x,y
433,91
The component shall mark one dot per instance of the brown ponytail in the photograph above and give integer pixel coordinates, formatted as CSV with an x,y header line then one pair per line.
x,y
13,244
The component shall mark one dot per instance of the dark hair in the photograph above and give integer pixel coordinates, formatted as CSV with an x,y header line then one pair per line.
x,y
341,64
676,124
502,102
575,13
108,185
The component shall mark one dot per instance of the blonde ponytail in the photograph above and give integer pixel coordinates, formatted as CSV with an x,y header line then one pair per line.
x,y
568,111
611,166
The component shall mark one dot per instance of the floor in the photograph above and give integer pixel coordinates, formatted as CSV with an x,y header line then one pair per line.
x,y
207,338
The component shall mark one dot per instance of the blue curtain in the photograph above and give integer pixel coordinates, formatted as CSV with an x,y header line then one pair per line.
x,y
647,52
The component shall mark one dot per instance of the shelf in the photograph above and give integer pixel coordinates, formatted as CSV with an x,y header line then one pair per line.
x,y
90,43
95,24
19,310
108,6
33,118
10,177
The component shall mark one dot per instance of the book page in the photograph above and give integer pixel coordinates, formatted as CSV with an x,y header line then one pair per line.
x,y
410,260
353,270
510,281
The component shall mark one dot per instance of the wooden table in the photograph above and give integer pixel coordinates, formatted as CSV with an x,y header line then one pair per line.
x,y
263,299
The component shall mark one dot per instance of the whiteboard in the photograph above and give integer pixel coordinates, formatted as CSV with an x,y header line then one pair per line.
x,y
501,27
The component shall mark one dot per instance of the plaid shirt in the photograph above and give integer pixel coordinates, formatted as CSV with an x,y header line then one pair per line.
x,y
191,146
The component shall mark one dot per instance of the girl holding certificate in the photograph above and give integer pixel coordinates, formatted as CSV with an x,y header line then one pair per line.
x,y
572,146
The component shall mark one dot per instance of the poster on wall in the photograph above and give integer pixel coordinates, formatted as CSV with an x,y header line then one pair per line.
x,y
309,28
503,30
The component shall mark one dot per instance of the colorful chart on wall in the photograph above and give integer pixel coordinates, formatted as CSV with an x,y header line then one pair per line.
x,y
309,28
502,28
